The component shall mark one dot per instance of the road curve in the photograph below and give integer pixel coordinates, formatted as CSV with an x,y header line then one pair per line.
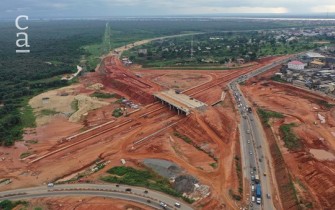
x,y
137,194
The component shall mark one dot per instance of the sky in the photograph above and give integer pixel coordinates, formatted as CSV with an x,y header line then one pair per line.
x,y
110,8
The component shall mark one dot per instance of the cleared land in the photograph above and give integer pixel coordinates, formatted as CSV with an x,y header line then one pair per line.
x,y
306,146
63,150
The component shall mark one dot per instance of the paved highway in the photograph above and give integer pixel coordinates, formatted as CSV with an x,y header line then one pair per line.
x,y
150,198
253,144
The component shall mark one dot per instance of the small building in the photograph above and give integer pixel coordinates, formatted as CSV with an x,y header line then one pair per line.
x,y
240,61
296,65
142,52
314,55
317,64
299,83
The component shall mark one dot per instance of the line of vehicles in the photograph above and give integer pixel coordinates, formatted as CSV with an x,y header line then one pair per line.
x,y
256,193
161,203
256,189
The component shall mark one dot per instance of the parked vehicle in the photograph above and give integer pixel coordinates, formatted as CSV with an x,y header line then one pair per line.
x,y
128,190
177,205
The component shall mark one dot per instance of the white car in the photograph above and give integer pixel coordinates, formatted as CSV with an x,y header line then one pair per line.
x,y
250,152
162,204
253,199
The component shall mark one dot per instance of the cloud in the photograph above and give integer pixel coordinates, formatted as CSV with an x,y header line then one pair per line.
x,y
160,7
324,8
216,10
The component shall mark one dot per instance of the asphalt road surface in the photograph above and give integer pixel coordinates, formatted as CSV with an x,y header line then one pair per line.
x,y
253,144
150,198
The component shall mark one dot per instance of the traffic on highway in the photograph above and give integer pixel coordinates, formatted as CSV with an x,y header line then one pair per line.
x,y
255,158
144,196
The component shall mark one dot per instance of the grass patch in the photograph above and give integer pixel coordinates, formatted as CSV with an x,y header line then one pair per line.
x,y
292,142
214,165
7,204
75,105
265,115
142,178
25,154
277,78
234,196
103,95
239,174
48,112
183,137
325,104
117,112
28,117
32,141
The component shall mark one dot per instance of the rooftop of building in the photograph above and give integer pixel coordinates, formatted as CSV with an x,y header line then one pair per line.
x,y
296,63
314,55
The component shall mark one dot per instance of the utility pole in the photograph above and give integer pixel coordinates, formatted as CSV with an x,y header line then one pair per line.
x,y
192,48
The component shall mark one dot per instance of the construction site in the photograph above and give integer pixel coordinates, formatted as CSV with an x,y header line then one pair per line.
x,y
194,126
307,166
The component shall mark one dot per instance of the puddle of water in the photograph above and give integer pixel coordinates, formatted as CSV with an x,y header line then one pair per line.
x,y
322,154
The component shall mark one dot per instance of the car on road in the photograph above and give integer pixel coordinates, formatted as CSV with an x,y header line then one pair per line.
x,y
145,191
252,188
50,184
253,199
268,195
162,204
248,141
128,190
177,205
264,174
250,152
248,131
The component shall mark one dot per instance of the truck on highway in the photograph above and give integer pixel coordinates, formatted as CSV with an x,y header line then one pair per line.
x,y
258,194
257,178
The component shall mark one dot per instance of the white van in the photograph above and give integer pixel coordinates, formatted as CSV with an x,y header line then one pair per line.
x,y
50,184
253,199
252,188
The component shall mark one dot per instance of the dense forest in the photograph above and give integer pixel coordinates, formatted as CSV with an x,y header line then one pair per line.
x,y
58,46
215,49
55,49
